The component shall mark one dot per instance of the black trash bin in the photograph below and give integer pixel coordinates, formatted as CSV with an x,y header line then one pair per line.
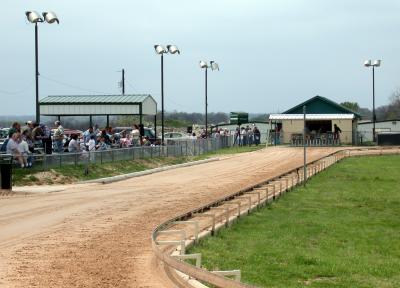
x,y
6,172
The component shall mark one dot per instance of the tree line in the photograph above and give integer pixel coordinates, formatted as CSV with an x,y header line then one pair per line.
x,y
183,119
385,112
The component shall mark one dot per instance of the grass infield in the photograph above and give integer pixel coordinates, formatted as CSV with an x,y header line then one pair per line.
x,y
342,230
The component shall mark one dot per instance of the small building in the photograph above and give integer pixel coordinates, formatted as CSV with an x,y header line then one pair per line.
x,y
387,126
321,116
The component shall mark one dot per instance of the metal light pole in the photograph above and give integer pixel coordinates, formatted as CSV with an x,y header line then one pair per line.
x,y
162,99
304,147
172,49
376,63
35,18
206,103
37,74
214,66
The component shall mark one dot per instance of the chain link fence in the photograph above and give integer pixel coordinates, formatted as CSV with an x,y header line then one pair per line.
x,y
316,139
174,148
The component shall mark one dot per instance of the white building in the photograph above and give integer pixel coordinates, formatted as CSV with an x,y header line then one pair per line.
x,y
365,128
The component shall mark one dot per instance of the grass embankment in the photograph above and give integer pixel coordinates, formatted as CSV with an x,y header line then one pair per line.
x,y
342,230
72,173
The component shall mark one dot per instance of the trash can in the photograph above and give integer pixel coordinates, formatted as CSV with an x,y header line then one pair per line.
x,y
6,172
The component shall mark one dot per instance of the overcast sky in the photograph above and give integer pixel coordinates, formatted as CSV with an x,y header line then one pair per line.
x,y
272,54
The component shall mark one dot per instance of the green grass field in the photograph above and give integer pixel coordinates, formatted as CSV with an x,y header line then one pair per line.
x,y
342,230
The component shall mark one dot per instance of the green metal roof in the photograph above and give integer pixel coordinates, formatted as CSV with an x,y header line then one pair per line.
x,y
321,105
95,99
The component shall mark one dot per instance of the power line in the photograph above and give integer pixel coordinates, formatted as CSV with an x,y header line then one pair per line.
x,y
17,92
72,86
133,88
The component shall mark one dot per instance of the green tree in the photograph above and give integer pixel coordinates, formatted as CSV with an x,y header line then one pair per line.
x,y
351,105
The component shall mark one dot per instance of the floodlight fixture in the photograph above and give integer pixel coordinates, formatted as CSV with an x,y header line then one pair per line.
x,y
214,65
377,63
173,49
367,63
203,64
159,49
33,17
50,17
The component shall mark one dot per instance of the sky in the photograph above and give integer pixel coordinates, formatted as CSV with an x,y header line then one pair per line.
x,y
273,54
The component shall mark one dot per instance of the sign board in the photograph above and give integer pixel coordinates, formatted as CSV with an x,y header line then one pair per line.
x,y
238,118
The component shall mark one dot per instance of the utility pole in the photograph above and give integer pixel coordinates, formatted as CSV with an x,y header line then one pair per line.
x,y
123,81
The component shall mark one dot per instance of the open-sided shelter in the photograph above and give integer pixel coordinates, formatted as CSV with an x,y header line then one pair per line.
x,y
97,105
321,116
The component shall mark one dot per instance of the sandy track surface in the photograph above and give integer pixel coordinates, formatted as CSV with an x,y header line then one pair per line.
x,y
96,235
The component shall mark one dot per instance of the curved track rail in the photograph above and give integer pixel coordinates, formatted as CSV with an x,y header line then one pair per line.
x,y
242,202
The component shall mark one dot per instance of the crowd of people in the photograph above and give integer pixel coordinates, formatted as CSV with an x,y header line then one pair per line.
x,y
23,141
247,136
95,139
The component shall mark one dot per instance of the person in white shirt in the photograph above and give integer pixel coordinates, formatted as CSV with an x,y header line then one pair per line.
x,y
91,144
92,147
23,148
73,145
135,133
12,148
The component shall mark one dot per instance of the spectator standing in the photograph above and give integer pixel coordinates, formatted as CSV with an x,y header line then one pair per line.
x,y
23,148
250,135
135,135
92,143
243,137
141,133
12,148
46,139
92,148
88,134
58,137
37,135
336,132
237,136
73,145
28,127
27,138
257,135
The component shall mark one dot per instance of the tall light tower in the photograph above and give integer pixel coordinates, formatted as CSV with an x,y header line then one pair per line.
x,y
172,49
214,66
376,63
35,18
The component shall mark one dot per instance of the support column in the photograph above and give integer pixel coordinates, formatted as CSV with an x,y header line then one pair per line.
x,y
140,114
155,127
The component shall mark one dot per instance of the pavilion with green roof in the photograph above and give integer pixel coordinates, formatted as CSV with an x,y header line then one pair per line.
x,y
322,114
98,105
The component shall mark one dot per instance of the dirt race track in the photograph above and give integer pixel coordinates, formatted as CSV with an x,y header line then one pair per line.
x,y
96,235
